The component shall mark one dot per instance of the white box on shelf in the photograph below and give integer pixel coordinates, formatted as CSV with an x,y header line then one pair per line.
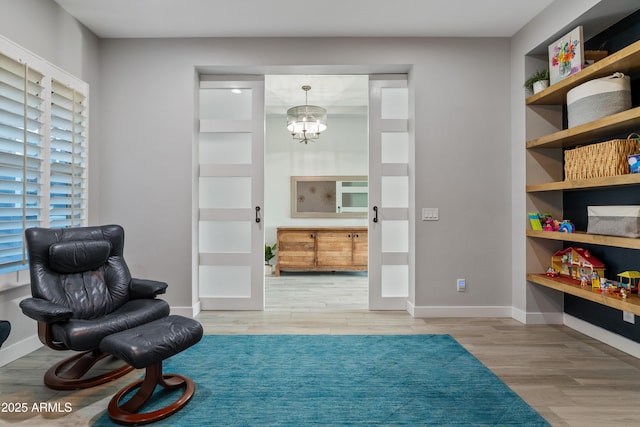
x,y
622,221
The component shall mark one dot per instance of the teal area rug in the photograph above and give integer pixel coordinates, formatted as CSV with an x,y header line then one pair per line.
x,y
335,380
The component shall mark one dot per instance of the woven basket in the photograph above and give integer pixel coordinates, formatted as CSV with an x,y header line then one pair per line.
x,y
607,158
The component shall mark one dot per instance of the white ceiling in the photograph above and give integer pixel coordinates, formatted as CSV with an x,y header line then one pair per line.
x,y
339,94
295,18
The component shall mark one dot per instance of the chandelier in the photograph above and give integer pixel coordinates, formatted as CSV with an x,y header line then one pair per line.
x,y
305,122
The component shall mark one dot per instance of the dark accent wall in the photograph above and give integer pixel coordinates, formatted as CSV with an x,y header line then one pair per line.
x,y
616,260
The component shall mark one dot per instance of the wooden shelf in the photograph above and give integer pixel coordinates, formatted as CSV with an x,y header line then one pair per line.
x,y
585,184
582,237
631,303
626,60
597,130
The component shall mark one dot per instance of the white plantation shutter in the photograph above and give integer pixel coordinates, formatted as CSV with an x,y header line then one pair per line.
x,y
67,157
43,150
21,139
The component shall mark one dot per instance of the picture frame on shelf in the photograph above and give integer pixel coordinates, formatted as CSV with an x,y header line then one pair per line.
x,y
566,55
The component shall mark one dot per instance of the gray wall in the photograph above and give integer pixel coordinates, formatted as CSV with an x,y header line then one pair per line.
x,y
462,149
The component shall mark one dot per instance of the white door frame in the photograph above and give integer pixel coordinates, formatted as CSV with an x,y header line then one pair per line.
x,y
377,301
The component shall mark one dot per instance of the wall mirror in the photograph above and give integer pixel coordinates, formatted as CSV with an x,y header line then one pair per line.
x,y
329,196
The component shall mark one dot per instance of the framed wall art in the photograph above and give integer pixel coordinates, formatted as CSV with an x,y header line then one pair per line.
x,y
566,55
329,196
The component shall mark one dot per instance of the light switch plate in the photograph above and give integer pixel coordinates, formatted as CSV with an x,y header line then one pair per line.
x,y
430,214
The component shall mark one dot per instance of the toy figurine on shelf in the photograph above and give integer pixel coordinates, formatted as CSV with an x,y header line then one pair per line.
x,y
607,285
583,281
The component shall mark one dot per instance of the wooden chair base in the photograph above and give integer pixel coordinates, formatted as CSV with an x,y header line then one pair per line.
x,y
58,377
127,413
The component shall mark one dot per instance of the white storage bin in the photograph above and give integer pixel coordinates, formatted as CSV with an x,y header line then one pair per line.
x,y
622,221
598,98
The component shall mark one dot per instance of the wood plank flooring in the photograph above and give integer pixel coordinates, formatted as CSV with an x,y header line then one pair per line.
x,y
570,379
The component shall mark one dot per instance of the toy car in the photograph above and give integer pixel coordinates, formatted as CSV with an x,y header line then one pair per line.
x,y
551,272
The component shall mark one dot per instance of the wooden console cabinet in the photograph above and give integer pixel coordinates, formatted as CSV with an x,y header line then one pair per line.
x,y
322,249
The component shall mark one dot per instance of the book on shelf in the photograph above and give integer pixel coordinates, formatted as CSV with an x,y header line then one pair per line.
x,y
534,219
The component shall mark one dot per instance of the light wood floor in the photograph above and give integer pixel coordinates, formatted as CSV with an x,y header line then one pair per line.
x,y
570,379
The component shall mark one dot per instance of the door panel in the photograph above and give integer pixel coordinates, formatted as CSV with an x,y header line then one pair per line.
x,y
389,198
230,193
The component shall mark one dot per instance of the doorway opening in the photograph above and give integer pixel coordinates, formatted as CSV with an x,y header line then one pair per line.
x,y
340,151
230,205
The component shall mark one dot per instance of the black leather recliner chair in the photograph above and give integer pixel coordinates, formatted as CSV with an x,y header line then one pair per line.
x,y
5,329
82,291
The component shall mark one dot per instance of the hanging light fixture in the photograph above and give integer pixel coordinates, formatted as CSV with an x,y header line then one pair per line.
x,y
306,122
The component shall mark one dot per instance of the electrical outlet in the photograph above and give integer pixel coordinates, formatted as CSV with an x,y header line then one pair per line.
x,y
628,317
461,285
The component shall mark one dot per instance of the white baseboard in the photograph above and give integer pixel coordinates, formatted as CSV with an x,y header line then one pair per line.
x,y
197,308
538,318
190,312
411,309
614,340
17,350
459,311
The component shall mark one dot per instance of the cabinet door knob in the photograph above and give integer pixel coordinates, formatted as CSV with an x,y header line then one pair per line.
x,y
348,235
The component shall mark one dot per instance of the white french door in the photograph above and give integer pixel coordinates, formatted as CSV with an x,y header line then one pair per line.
x,y
389,226
231,193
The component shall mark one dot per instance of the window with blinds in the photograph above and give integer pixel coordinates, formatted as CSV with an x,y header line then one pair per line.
x,y
21,126
43,144
67,160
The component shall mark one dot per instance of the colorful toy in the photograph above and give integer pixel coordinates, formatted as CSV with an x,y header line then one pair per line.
x,y
632,277
566,227
534,219
549,224
577,263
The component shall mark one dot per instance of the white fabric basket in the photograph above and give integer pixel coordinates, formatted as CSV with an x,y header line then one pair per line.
x,y
622,221
598,98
